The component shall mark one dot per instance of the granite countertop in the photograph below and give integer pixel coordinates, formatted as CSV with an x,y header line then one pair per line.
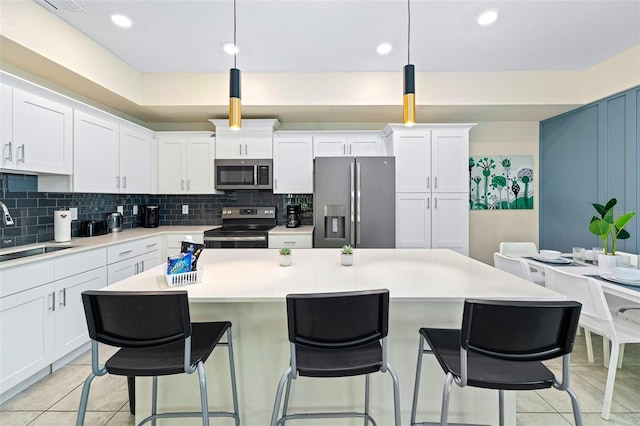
x,y
80,244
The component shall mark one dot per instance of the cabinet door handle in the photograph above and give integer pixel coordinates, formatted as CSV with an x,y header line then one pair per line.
x,y
124,181
435,182
152,245
21,159
246,151
9,157
63,297
240,146
182,184
427,182
290,242
52,298
188,184
350,152
124,252
428,207
344,150
117,181
142,266
435,203
137,268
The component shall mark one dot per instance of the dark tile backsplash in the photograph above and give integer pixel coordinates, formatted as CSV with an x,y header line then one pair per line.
x,y
32,211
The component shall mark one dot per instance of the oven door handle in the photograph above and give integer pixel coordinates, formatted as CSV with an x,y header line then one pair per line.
x,y
257,238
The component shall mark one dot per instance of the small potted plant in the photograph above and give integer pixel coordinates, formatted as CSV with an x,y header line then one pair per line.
x,y
607,226
346,255
285,256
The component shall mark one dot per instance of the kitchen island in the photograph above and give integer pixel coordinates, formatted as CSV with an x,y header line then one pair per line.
x,y
248,287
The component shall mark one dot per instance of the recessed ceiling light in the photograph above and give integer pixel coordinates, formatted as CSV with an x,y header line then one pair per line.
x,y
121,20
230,48
488,17
384,48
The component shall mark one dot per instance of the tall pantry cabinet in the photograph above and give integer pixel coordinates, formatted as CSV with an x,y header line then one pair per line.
x,y
432,185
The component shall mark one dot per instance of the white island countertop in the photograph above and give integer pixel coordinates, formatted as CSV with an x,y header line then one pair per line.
x,y
410,275
427,288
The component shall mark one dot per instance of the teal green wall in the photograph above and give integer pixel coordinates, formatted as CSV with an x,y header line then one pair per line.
x,y
589,155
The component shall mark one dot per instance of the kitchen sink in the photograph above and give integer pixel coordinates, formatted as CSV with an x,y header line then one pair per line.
x,y
31,252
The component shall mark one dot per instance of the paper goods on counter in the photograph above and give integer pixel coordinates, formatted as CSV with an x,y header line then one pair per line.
x,y
61,226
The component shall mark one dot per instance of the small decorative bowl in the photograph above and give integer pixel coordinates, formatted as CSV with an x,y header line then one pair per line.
x,y
627,273
550,254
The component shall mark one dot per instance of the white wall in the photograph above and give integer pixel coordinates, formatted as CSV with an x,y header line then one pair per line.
x,y
487,228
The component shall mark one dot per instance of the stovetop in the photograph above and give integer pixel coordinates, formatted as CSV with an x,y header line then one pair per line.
x,y
244,221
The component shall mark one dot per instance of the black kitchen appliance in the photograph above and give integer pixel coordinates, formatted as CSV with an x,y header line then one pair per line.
x,y
149,216
242,227
294,216
93,227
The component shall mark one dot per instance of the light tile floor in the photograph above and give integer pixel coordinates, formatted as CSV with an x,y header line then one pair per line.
x,y
53,401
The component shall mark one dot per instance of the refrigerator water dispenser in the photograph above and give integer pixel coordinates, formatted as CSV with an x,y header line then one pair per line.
x,y
334,220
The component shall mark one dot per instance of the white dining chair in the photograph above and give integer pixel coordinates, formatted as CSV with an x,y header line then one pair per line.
x,y
518,248
597,318
523,248
517,267
512,265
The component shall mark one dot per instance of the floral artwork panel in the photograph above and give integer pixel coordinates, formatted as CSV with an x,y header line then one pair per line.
x,y
501,182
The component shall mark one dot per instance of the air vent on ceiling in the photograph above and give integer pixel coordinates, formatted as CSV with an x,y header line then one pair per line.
x,y
62,5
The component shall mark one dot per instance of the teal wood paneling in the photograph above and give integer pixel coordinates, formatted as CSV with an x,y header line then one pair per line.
x,y
568,179
589,155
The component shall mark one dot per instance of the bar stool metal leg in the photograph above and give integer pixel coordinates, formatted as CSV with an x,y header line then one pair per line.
x,y
234,389
203,394
154,400
416,386
366,399
446,393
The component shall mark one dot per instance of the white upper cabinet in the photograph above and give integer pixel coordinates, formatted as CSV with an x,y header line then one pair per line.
x,y
109,157
96,154
135,160
413,161
253,140
339,144
431,158
185,162
36,134
292,163
450,160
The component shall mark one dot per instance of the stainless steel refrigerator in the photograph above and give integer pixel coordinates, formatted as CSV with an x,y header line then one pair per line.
x,y
354,202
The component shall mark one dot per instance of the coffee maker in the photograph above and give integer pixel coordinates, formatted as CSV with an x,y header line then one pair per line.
x,y
294,215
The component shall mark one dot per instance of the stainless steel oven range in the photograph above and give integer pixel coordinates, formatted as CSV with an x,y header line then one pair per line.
x,y
243,227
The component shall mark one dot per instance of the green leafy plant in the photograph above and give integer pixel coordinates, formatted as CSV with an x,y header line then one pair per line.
x,y
607,226
285,250
346,250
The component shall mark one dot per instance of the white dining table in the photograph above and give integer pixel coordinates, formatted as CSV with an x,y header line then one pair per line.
x,y
621,291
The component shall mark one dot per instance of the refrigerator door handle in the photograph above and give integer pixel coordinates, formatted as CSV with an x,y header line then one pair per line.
x,y
353,202
359,201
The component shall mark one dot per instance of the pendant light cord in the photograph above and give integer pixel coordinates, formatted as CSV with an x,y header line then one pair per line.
x,y
408,31
234,35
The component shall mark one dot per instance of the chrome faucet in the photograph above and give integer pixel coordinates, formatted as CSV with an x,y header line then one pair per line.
x,y
6,217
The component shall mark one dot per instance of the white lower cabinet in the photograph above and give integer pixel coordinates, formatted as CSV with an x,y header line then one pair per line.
x,y
27,342
131,258
43,320
432,220
71,326
291,240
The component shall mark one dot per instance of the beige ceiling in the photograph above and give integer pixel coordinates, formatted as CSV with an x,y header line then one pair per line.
x,y
302,38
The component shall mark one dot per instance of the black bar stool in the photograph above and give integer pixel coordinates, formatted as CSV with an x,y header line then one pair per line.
x,y
157,338
337,335
501,346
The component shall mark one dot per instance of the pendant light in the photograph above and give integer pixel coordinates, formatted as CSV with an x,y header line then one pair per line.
x,y
235,107
409,98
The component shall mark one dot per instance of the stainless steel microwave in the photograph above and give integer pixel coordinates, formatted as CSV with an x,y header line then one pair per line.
x,y
244,174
